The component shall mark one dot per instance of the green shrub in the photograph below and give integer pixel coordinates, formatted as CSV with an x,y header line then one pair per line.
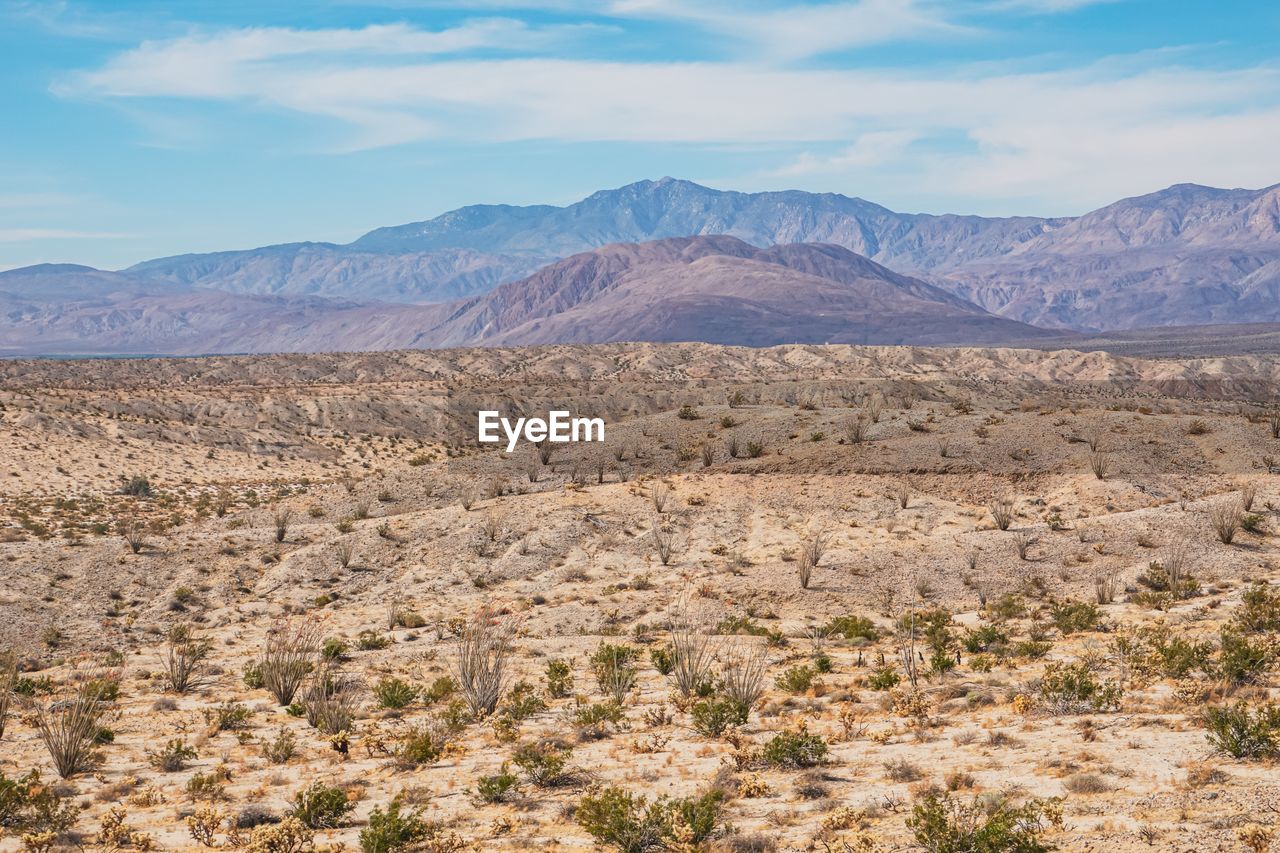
x,y
744,625
334,648
1241,660
984,639
253,675
1073,689
944,824
390,831
592,719
1072,617
614,668
713,716
559,678
206,786
663,659
174,756
281,748
1006,607
1032,649
797,679
884,678
320,806
1259,609
136,486
853,628
26,804
1177,657
229,716
632,824
442,688
424,744
1243,734
497,788
369,640
543,762
394,693
522,702
794,749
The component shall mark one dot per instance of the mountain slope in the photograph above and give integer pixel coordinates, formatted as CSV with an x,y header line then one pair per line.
x,y
1185,255
719,290
93,312
323,269
714,289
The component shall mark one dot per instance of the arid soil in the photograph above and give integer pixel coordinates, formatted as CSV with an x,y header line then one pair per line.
x,y
153,511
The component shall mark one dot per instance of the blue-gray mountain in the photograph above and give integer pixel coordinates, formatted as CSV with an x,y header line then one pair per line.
x,y
1184,255
716,289
496,274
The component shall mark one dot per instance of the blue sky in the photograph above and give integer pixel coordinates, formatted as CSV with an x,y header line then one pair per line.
x,y
138,129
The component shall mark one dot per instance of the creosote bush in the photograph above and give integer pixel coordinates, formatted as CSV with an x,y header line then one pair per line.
x,y
321,806
395,828
942,823
794,749
633,824
1074,689
1243,733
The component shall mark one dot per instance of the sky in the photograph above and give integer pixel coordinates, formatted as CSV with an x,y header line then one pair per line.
x,y
137,129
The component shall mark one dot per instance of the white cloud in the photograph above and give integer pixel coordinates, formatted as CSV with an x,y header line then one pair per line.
x,y
21,235
798,31
877,148
1083,135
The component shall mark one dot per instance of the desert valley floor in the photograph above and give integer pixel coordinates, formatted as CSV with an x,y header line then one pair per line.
x,y
1039,595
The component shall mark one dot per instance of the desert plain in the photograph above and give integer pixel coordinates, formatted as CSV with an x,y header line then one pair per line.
x,y
801,598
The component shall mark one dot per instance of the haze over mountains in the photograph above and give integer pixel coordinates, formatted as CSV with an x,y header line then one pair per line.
x,y
498,274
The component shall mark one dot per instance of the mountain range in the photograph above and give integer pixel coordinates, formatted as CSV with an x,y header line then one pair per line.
x,y
800,267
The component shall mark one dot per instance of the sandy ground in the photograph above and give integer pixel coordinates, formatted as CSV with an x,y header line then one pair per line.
x,y
385,515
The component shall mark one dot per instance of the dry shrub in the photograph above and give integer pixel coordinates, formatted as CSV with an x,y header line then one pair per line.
x,y
484,646
1002,512
331,699
744,671
184,658
692,652
664,541
1225,517
280,518
133,532
8,678
810,553
1100,464
288,656
69,728
345,551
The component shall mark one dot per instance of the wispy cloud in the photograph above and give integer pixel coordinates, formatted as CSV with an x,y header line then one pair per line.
x,y
802,30
22,235
1128,123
